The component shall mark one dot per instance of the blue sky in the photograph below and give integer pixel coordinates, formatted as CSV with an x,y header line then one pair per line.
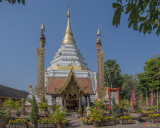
x,y
20,34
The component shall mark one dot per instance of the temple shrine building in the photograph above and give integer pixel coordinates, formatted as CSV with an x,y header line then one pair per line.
x,y
68,80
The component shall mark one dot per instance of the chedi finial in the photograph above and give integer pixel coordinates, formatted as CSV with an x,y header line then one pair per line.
x,y
68,13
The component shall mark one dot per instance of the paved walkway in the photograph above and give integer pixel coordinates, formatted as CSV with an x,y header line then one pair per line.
x,y
77,123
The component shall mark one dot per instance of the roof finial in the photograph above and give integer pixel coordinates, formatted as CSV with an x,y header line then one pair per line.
x,y
68,37
99,32
68,13
42,29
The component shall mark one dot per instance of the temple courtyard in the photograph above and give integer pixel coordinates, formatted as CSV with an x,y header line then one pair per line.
x,y
76,122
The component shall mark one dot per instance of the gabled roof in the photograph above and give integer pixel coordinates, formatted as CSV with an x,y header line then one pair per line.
x,y
68,79
8,92
57,83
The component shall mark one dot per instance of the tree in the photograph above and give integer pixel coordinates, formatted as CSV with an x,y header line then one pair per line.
x,y
129,84
149,79
112,73
34,112
143,14
14,1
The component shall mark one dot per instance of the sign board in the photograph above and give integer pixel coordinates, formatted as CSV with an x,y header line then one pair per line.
x,y
113,92
115,95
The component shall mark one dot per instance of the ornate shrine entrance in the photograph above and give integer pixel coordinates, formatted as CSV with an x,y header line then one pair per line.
x,y
72,102
72,92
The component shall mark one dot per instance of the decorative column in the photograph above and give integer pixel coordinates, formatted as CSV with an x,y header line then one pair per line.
x,y
41,89
100,55
65,105
133,99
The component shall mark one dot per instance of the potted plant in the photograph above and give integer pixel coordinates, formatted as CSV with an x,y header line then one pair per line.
x,y
137,113
34,117
154,117
17,106
11,105
46,123
80,111
18,123
84,120
109,120
43,107
96,116
126,119
59,116
4,117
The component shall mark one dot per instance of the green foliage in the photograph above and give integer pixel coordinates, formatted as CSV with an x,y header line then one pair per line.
x,y
112,73
114,108
43,105
59,115
34,112
129,84
10,104
84,108
29,100
149,79
14,1
80,111
143,14
5,113
97,111
96,114
136,108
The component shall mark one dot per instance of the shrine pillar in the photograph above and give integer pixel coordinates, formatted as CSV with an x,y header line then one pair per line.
x,y
86,101
88,104
53,100
64,99
79,101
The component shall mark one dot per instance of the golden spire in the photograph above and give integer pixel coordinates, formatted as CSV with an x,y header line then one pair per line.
x,y
68,37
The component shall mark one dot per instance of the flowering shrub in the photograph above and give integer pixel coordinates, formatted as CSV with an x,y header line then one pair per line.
x,y
18,122
126,117
86,121
153,116
109,118
45,121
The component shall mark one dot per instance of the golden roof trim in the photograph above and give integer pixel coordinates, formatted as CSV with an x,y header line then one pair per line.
x,y
68,79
